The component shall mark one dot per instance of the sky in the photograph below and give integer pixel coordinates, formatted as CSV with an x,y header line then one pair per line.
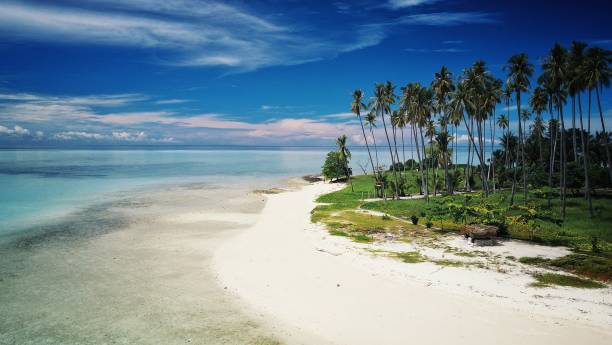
x,y
259,72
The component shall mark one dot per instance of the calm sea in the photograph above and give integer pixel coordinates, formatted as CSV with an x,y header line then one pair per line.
x,y
41,184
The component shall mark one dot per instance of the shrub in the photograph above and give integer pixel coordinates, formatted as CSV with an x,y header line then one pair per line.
x,y
414,219
429,224
502,229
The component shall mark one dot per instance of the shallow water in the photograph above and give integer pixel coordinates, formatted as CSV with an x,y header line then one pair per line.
x,y
123,272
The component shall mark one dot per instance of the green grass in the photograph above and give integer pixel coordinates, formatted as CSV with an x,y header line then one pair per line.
x,y
576,231
597,267
409,257
548,279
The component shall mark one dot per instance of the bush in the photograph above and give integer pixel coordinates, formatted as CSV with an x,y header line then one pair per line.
x,y
429,224
334,167
414,219
502,230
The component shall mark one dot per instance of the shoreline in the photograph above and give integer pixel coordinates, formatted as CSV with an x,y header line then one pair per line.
x,y
315,289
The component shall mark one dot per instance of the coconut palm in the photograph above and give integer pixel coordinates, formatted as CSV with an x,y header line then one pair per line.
x,y
538,102
381,102
344,154
555,70
411,96
370,119
519,71
597,72
442,85
525,115
577,86
356,107
503,123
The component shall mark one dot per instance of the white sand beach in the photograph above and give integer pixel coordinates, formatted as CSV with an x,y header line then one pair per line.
x,y
313,288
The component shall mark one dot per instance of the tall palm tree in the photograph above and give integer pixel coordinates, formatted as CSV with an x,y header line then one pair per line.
x,y
356,107
538,102
537,129
597,73
396,122
525,115
345,155
381,102
504,124
555,70
411,103
430,132
442,85
577,86
519,71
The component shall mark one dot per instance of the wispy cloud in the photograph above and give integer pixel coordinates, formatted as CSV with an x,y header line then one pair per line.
x,y
172,101
439,50
69,120
399,4
452,42
449,18
188,32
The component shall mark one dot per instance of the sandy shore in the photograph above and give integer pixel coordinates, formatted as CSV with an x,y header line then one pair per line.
x,y
319,289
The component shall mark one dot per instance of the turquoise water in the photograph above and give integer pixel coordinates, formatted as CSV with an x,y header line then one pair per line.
x,y
39,185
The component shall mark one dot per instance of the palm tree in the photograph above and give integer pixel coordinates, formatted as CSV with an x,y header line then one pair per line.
x,y
519,71
430,132
537,129
597,73
381,102
344,155
412,98
525,115
356,107
577,86
555,75
441,86
538,102
370,119
503,123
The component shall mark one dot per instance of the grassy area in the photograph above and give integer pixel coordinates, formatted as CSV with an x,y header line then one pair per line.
x,y
341,212
548,279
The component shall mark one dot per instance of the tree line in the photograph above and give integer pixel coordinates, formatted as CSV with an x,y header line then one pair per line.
x,y
430,117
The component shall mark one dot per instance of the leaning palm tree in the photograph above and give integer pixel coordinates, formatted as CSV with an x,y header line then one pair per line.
x,y
356,107
597,73
519,71
381,102
344,154
370,119
442,85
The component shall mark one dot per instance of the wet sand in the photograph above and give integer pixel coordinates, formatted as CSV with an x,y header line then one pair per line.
x,y
134,271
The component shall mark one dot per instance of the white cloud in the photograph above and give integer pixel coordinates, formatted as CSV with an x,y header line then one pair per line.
x,y
76,135
15,131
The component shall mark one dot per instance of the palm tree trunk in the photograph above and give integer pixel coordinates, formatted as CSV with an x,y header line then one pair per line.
x,y
375,148
521,139
391,154
426,180
574,144
478,154
365,138
403,152
416,140
563,161
492,148
605,134
432,161
553,149
585,160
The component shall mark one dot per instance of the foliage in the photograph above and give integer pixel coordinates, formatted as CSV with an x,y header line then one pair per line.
x,y
547,279
335,166
414,219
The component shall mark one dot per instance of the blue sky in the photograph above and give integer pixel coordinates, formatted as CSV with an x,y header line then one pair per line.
x,y
248,72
